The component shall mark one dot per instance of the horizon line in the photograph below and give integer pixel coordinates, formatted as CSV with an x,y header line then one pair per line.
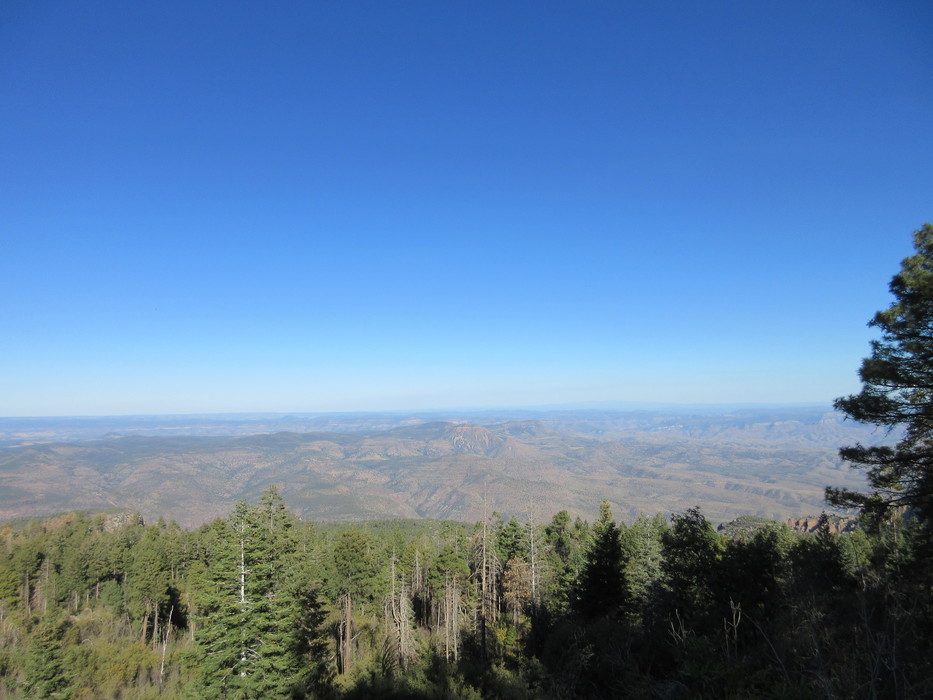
x,y
619,406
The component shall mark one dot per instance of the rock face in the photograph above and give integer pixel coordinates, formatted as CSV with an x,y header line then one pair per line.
x,y
837,523
743,527
115,521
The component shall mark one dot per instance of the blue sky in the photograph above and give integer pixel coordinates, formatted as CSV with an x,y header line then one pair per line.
x,y
398,205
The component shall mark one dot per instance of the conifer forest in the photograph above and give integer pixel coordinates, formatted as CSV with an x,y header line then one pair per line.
x,y
262,605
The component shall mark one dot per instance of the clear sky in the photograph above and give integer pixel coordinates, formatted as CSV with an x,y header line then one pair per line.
x,y
314,206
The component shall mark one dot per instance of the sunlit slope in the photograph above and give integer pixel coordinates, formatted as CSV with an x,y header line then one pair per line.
x,y
750,464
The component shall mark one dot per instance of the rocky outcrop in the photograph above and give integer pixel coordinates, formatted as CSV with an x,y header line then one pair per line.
x,y
810,523
115,521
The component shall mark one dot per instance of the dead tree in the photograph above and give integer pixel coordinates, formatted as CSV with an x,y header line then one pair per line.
x,y
487,569
345,631
452,612
399,645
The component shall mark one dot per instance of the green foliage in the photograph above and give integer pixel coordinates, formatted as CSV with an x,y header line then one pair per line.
x,y
602,582
44,668
511,541
691,553
259,632
148,580
564,559
450,561
897,390
757,573
642,554
357,566
9,588
241,609
103,668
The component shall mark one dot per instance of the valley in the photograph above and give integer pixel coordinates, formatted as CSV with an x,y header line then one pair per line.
x,y
769,462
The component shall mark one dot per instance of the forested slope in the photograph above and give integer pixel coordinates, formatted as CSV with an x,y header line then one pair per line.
x,y
259,604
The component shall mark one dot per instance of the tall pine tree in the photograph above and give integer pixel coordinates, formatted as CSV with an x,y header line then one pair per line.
x,y
602,583
897,391
259,627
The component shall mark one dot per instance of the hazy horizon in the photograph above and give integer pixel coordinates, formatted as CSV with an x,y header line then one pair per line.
x,y
607,406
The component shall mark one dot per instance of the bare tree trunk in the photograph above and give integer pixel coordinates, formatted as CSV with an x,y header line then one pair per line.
x,y
155,625
482,620
417,577
243,601
398,612
455,613
45,586
447,616
405,649
145,624
451,619
533,556
27,594
347,630
341,634
168,628
242,575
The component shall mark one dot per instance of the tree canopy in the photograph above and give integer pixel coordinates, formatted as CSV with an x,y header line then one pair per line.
x,y
897,392
262,604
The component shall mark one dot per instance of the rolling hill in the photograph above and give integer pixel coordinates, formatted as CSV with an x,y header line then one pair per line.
x,y
765,462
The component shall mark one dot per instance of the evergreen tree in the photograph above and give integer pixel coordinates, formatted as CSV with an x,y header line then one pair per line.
x,y
307,645
356,566
564,558
602,583
43,670
511,541
642,553
822,563
691,553
757,571
9,589
224,633
449,561
148,582
897,390
259,621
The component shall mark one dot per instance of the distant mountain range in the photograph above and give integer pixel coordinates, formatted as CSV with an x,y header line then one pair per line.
x,y
767,461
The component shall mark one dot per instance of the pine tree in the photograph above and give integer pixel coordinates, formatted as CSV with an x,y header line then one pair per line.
x,y
223,625
897,390
642,553
510,541
691,555
148,583
43,670
602,583
259,621
564,559
301,606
